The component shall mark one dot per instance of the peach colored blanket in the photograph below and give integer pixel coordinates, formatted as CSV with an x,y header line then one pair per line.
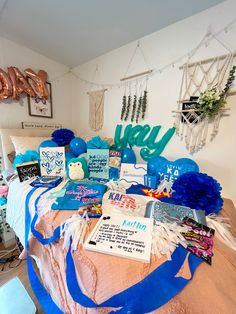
x,y
212,290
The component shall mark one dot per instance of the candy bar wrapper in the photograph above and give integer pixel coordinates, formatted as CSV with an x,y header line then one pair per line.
x,y
199,239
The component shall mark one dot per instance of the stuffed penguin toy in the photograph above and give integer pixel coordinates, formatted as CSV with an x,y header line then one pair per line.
x,y
77,168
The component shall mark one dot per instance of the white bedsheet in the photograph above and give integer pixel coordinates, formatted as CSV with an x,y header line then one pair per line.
x,y
15,215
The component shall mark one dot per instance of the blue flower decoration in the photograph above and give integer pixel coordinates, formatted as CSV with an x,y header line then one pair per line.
x,y
97,143
198,191
30,155
63,136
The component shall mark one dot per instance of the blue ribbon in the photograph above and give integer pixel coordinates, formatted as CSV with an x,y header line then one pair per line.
x,y
149,294
40,292
36,233
153,291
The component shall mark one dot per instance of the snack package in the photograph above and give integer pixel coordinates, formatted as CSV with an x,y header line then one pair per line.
x,y
47,181
199,239
114,164
93,211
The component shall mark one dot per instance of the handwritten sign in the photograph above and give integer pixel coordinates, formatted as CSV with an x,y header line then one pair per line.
x,y
38,125
28,170
123,236
98,163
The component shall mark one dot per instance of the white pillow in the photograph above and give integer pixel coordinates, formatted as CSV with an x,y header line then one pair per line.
x,y
23,143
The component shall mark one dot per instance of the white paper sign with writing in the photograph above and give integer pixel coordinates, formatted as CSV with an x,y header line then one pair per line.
x,y
124,236
132,173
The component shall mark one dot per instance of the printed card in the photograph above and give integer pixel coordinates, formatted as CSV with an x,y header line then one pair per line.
x,y
52,161
124,236
98,163
28,170
132,173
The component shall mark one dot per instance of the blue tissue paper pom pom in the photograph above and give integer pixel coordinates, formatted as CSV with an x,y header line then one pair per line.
x,y
30,155
63,136
97,143
198,191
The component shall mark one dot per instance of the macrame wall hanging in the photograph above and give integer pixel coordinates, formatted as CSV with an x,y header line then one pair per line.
x,y
204,88
96,106
96,109
134,101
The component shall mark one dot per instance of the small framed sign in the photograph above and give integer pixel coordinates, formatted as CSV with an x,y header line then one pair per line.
x,y
124,236
28,170
41,107
39,125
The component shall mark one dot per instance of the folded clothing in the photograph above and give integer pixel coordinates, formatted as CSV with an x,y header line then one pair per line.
x,y
77,195
120,203
145,190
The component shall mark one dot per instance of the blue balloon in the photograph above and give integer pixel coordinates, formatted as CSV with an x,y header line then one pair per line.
x,y
48,143
154,164
78,146
188,164
171,170
69,156
128,156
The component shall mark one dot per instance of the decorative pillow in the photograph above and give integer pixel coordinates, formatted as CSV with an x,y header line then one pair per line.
x,y
11,156
22,144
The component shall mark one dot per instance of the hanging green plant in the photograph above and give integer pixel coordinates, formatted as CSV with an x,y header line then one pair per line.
x,y
134,108
128,108
144,104
139,108
230,81
212,100
123,110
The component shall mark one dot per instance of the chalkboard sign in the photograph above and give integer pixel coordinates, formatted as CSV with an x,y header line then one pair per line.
x,y
98,163
188,106
28,170
124,236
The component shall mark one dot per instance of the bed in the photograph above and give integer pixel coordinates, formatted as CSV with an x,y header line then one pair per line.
x,y
212,290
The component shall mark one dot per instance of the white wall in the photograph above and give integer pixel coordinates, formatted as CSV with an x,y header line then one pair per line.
x,y
13,113
218,157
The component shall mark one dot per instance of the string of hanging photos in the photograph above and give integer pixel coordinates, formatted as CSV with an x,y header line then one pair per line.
x,y
136,80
